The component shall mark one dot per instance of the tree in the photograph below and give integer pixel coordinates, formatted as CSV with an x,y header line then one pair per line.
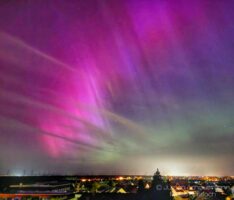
x,y
141,186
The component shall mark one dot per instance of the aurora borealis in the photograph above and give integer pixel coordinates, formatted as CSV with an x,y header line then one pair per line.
x,y
117,86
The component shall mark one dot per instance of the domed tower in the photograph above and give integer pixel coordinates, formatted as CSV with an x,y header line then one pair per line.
x,y
157,178
160,189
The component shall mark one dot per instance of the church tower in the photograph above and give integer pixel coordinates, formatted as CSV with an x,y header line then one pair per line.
x,y
160,189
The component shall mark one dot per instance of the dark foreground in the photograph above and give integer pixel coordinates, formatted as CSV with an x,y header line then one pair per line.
x,y
116,187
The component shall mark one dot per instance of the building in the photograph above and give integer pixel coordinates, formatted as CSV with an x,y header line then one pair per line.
x,y
39,191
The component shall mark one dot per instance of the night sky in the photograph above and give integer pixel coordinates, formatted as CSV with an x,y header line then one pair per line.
x,y
117,87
